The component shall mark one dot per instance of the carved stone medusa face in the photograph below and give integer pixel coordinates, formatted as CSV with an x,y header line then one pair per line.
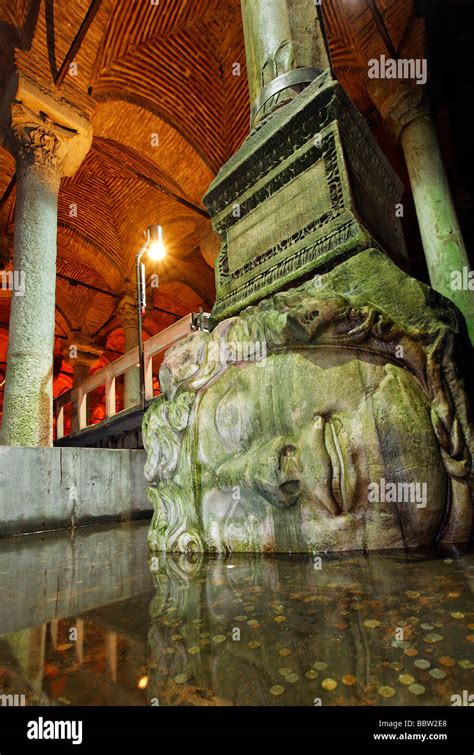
x,y
346,429
287,451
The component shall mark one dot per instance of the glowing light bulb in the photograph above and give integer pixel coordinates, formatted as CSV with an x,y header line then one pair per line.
x,y
156,248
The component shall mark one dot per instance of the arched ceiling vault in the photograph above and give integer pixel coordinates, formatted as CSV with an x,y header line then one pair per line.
x,y
168,112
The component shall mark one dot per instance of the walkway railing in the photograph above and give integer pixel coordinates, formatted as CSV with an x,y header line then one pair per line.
x,y
107,376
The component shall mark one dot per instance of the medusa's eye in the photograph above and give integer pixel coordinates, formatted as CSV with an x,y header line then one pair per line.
x,y
231,419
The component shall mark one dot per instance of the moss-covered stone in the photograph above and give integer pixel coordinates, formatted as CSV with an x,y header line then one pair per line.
x,y
332,416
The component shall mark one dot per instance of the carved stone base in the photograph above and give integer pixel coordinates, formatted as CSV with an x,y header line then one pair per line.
x,y
332,416
309,187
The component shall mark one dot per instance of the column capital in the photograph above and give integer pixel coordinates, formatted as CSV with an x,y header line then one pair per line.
x,y
81,350
40,129
398,102
34,144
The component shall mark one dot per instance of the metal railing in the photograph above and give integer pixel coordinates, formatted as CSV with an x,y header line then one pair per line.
x,y
107,376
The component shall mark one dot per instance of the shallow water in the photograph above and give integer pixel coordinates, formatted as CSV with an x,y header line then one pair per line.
x,y
89,620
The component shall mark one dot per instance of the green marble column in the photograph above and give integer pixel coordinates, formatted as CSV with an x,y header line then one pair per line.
x,y
445,253
406,114
280,36
268,42
28,401
49,138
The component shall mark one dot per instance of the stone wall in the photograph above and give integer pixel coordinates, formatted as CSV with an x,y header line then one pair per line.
x,y
57,488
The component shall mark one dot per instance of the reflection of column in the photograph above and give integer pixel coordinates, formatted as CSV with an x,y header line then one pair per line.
x,y
44,151
401,105
81,353
280,36
111,654
28,647
127,310
80,640
53,630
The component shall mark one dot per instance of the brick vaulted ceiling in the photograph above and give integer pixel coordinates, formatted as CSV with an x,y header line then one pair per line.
x,y
169,110
168,113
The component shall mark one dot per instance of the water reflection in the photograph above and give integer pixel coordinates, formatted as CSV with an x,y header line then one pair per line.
x,y
86,622
348,630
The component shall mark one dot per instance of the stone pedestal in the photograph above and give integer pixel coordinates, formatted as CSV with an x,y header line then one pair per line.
x,y
402,106
44,151
306,189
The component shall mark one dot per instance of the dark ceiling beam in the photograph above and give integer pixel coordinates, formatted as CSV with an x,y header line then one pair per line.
x,y
77,42
154,184
382,29
75,282
59,79
406,33
167,312
7,192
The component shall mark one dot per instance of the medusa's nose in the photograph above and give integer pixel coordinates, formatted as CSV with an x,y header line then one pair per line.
x,y
289,473
272,468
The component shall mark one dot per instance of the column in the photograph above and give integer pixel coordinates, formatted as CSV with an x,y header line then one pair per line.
x,y
81,353
281,36
127,311
80,640
27,405
44,151
402,106
111,654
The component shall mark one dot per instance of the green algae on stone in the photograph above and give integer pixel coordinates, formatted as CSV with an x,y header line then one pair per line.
x,y
216,411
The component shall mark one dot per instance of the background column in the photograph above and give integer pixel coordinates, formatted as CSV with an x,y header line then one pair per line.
x,y
81,353
127,311
402,107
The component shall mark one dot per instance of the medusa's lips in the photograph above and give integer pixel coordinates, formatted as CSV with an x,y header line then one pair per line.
x,y
339,495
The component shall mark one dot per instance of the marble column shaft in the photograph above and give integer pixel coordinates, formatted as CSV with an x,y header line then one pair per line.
x,y
441,235
28,401
280,36
406,115
128,315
